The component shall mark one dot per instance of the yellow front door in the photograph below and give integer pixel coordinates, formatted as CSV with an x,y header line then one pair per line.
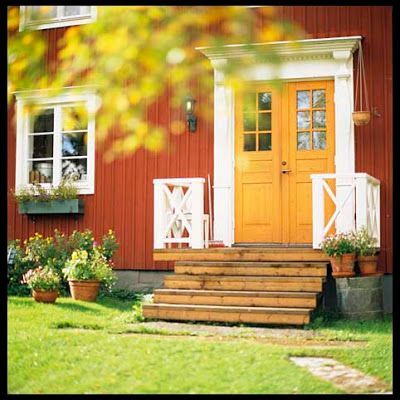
x,y
281,138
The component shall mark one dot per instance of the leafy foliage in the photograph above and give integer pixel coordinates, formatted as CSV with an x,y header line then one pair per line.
x,y
36,192
16,270
53,252
43,279
81,266
366,244
341,243
135,54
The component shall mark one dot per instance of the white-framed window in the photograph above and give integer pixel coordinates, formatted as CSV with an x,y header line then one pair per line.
x,y
56,138
45,17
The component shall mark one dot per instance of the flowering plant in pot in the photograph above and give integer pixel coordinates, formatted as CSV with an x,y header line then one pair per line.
x,y
85,272
340,248
44,284
366,252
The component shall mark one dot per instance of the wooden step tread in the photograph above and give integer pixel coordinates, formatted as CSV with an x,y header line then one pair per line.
x,y
241,293
237,298
283,264
188,277
229,309
240,253
232,314
240,249
228,282
250,268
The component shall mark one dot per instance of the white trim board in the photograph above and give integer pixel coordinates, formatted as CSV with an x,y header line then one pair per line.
x,y
309,59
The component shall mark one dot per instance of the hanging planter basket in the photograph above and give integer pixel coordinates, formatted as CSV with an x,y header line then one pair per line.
x,y
363,116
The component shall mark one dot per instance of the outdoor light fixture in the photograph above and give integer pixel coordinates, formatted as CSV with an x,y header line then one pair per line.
x,y
190,117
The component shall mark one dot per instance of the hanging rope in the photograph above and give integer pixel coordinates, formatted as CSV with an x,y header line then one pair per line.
x,y
363,84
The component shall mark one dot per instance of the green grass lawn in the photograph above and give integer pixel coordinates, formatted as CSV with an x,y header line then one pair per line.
x,y
79,347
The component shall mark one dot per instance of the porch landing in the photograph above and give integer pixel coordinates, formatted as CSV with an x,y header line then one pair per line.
x,y
240,284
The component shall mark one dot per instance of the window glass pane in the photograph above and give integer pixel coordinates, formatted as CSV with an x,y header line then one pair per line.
x,y
319,98
303,119
40,171
42,121
303,141
70,11
303,99
75,169
264,101
249,121
249,102
74,144
264,121
40,146
264,141
319,140
249,142
74,118
39,13
319,119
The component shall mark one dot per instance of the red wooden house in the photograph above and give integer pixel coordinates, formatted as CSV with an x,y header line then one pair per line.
x,y
262,189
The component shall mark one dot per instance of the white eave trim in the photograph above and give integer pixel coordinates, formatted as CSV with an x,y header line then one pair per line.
x,y
47,93
307,47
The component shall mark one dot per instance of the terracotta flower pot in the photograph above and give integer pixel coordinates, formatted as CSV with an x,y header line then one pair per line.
x,y
368,264
45,297
336,262
84,290
361,117
343,266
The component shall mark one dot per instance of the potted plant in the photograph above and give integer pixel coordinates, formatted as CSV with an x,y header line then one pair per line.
x,y
366,252
36,199
44,284
340,249
85,272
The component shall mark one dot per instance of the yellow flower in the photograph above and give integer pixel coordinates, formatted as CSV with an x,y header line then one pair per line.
x,y
110,231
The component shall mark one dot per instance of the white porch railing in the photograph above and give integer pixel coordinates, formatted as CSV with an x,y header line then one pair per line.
x,y
357,204
179,212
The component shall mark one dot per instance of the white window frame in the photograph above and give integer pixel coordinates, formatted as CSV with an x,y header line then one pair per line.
x,y
57,22
43,98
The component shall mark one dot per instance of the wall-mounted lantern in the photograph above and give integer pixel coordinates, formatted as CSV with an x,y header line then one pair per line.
x,y
190,117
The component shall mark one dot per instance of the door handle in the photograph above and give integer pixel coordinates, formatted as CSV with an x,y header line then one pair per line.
x,y
284,171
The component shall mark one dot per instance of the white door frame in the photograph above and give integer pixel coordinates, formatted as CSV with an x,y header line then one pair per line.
x,y
310,59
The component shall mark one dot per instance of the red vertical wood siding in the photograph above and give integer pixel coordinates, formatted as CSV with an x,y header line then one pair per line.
x,y
374,142
123,198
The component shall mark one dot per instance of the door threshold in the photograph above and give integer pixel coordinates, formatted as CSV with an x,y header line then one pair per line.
x,y
273,245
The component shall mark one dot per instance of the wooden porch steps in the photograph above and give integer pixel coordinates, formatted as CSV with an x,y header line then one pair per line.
x,y
260,315
223,282
240,285
236,298
250,268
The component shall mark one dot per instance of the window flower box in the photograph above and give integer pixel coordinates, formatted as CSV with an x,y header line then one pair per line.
x,y
68,206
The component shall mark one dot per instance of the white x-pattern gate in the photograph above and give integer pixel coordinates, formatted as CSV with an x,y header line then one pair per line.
x,y
357,204
179,209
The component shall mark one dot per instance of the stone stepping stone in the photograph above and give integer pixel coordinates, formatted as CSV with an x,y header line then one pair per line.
x,y
348,379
